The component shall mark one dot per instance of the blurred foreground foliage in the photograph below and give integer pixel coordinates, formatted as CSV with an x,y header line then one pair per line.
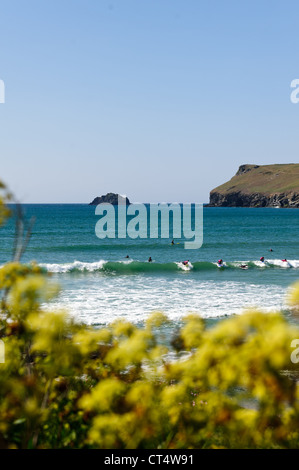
x,y
65,385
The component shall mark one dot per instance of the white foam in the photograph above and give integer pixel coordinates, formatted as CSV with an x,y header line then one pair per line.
x,y
261,264
76,265
185,267
102,303
285,264
277,262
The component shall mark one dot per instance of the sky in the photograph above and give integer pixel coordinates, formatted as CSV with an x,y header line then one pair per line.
x,y
160,100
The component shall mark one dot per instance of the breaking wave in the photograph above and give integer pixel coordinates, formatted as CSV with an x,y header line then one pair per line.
x,y
132,266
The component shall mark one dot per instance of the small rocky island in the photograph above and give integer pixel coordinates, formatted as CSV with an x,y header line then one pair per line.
x,y
259,186
110,198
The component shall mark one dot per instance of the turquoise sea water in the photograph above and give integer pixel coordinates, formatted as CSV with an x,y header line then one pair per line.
x,y
99,284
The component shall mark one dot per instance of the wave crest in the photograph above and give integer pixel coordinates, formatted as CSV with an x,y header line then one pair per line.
x,y
131,266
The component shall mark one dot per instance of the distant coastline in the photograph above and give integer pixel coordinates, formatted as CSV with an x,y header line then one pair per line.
x,y
260,186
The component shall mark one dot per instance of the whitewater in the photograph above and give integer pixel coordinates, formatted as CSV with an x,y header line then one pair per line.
x,y
102,280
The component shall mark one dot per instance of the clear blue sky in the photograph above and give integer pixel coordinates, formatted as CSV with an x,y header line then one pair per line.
x,y
161,100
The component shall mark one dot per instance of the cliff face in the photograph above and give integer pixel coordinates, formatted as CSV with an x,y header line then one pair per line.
x,y
259,186
110,198
239,199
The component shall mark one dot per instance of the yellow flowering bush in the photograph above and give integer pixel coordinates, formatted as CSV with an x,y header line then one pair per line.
x,y
66,385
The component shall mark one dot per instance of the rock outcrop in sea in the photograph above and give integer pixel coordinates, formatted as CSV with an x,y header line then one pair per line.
x,y
260,186
110,198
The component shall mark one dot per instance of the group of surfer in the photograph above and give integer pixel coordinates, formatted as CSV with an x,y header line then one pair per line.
x,y
149,260
220,263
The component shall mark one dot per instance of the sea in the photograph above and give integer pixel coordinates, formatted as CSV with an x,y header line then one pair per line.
x,y
103,280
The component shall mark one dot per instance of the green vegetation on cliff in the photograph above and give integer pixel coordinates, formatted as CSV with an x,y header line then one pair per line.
x,y
260,186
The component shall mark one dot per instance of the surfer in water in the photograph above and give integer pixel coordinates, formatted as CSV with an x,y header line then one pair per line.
x,y
220,263
185,263
150,259
172,242
262,259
